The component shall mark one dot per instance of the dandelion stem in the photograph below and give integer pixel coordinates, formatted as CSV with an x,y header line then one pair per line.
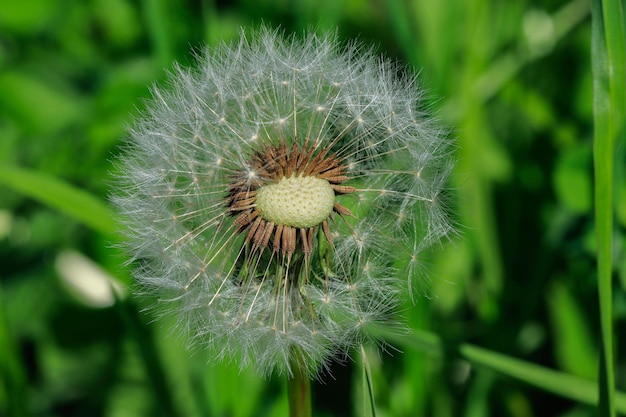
x,y
299,388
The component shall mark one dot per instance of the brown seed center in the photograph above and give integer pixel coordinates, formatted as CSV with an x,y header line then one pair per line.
x,y
268,199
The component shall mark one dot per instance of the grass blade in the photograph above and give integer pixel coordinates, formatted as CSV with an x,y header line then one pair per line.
x,y
13,379
559,383
608,65
156,21
154,368
369,405
77,203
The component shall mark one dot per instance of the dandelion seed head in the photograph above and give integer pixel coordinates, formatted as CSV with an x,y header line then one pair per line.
x,y
266,193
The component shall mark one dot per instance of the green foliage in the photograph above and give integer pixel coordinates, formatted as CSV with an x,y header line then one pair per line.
x,y
509,320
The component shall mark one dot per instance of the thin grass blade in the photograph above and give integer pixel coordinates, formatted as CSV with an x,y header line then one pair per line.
x,y
608,53
76,203
559,383
369,404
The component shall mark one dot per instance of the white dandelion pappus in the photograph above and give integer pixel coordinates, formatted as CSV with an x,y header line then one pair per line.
x,y
276,197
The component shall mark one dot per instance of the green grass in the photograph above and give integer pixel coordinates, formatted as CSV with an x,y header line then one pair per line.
x,y
609,69
521,314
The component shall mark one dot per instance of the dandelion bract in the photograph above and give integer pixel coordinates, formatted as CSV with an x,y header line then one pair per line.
x,y
277,196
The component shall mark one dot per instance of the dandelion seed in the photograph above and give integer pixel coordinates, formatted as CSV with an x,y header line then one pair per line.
x,y
265,201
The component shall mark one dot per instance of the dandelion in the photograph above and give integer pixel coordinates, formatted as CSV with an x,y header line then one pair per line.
x,y
277,197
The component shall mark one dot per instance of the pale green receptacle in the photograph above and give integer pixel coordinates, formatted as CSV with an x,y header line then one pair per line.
x,y
297,201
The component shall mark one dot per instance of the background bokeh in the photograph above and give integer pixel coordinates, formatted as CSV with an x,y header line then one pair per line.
x,y
511,80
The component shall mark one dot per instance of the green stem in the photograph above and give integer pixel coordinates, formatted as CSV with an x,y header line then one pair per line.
x,y
299,389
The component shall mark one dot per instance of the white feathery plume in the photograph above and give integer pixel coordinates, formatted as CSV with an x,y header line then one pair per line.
x,y
305,269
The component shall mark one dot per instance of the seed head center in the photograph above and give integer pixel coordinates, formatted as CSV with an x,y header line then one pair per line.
x,y
297,201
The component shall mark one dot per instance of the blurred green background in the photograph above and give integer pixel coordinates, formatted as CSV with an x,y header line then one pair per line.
x,y
512,80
